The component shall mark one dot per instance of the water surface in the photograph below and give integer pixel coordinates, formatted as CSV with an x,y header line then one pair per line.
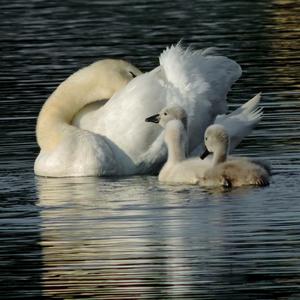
x,y
134,238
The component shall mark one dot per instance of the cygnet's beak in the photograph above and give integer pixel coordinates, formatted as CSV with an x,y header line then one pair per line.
x,y
153,119
205,153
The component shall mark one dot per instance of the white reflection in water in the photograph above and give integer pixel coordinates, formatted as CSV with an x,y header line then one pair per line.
x,y
124,237
111,237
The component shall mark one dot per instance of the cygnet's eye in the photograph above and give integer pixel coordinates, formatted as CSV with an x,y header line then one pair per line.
x,y
165,114
132,74
206,138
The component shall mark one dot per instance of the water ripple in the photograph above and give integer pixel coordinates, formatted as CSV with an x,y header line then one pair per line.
x,y
134,238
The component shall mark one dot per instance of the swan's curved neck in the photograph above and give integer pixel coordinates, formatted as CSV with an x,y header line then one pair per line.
x,y
175,138
220,154
83,87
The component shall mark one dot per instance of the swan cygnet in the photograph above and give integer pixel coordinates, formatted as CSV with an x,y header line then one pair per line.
x,y
233,172
178,169
67,150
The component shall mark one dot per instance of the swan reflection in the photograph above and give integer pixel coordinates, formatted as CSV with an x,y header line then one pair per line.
x,y
111,236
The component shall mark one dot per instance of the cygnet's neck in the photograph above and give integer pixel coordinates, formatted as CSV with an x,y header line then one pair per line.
x,y
220,154
175,138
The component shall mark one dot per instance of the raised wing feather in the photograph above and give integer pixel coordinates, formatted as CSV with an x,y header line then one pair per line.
x,y
241,121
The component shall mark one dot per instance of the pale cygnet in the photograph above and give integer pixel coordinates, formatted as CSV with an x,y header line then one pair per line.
x,y
178,169
235,171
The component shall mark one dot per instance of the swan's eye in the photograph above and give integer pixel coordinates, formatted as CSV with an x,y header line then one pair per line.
x,y
132,74
165,114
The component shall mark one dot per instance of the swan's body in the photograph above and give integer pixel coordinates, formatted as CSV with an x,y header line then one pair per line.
x,y
209,172
113,139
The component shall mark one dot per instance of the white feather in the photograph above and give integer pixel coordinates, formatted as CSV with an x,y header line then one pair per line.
x,y
241,121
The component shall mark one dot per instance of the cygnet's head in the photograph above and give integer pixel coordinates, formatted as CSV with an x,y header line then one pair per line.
x,y
167,114
215,138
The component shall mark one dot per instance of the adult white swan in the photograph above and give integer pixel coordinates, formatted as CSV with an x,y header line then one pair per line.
x,y
114,139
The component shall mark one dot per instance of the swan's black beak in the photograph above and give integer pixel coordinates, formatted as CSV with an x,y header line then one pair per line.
x,y
153,119
205,153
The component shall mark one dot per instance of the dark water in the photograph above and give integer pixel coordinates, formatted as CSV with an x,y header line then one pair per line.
x,y
134,238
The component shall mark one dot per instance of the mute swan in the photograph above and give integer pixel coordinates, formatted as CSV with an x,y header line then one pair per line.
x,y
114,139
237,171
215,172
65,149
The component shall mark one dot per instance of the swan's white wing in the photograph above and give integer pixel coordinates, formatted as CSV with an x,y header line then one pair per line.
x,y
203,75
241,121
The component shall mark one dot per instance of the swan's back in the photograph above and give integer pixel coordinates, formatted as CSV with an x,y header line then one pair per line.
x,y
238,172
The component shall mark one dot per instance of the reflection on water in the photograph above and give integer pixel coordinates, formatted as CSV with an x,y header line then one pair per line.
x,y
123,239
133,238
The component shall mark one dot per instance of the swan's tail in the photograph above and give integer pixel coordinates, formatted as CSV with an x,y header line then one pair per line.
x,y
250,105
264,164
241,121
